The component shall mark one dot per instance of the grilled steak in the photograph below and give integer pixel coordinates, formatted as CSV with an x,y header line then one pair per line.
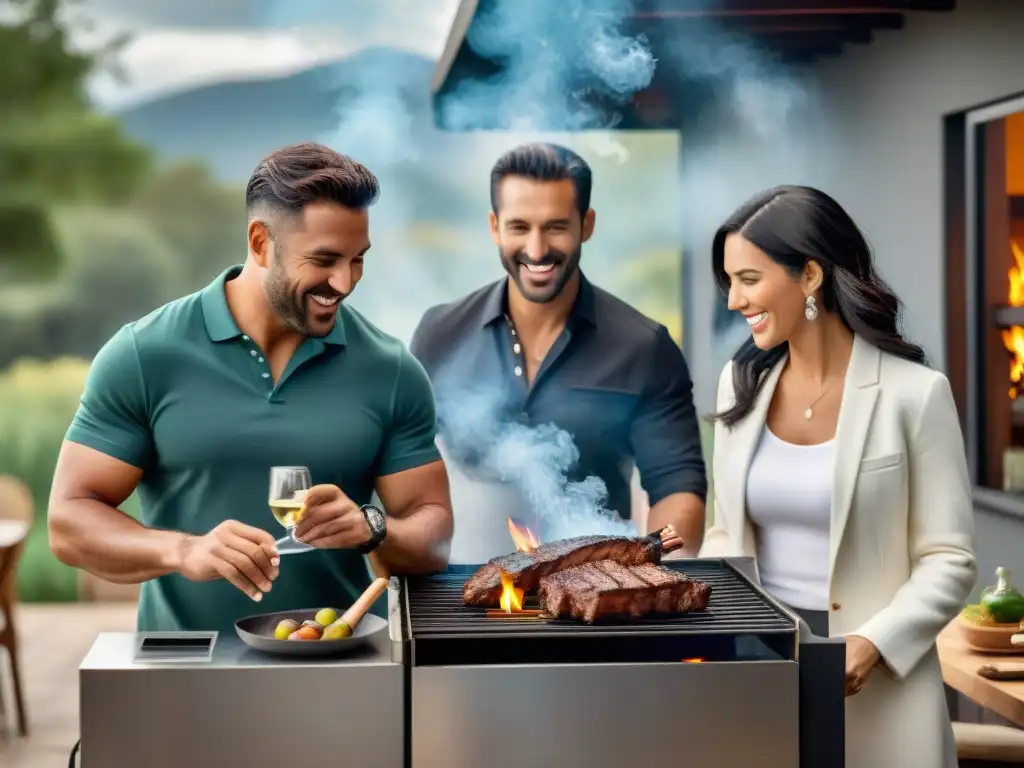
x,y
528,568
608,590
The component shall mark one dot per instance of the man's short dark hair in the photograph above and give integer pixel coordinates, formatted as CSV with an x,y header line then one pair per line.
x,y
544,162
290,178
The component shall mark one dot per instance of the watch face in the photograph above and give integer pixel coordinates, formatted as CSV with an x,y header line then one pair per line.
x,y
375,519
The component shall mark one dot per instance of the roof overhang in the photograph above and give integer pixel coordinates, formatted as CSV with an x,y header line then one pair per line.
x,y
792,33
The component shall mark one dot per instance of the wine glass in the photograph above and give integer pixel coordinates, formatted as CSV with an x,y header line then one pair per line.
x,y
288,486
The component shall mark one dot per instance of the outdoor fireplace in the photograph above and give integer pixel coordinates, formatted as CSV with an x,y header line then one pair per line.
x,y
1010,320
985,246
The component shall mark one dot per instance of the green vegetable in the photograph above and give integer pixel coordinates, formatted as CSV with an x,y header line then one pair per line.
x,y
1003,602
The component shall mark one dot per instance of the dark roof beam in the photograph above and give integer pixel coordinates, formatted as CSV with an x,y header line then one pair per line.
x,y
789,39
757,25
801,57
808,44
699,9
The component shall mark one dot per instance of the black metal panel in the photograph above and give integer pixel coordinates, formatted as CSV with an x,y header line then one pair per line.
x,y
822,701
740,622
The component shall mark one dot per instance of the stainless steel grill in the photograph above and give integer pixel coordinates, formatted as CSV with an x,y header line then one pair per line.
x,y
455,687
497,690
443,630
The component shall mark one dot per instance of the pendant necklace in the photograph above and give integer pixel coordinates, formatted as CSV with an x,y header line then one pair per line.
x,y
809,413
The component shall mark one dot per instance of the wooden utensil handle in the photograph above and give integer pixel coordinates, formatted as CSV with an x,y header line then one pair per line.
x,y
1002,670
364,602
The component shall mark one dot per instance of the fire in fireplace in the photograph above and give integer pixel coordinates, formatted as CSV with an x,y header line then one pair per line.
x,y
1013,335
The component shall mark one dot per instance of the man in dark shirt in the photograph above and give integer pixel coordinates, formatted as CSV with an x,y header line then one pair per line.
x,y
554,349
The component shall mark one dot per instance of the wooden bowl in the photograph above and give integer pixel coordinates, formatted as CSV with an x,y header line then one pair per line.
x,y
994,638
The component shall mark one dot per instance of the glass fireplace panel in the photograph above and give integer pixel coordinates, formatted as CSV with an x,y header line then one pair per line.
x,y
1001,360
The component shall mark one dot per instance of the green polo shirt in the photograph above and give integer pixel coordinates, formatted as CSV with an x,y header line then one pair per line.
x,y
185,396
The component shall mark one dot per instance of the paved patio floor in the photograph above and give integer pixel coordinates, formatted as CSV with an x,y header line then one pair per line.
x,y
54,640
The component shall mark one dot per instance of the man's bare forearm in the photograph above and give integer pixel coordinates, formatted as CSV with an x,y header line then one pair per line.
x,y
685,513
418,542
103,540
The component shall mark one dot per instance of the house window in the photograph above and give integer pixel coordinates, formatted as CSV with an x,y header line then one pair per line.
x,y
994,301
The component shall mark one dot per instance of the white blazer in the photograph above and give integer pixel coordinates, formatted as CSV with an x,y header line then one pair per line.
x,y
901,544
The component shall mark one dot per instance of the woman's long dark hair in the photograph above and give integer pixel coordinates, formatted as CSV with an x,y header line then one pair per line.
x,y
794,225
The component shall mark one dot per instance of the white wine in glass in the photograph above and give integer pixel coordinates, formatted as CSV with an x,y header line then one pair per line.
x,y
288,486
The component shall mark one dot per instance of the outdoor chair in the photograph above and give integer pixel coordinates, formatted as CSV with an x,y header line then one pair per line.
x,y
16,516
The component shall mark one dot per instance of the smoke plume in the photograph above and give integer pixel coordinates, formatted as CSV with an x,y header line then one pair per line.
x,y
535,461
556,57
753,129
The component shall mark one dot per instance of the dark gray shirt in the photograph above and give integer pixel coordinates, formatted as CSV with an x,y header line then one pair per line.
x,y
614,380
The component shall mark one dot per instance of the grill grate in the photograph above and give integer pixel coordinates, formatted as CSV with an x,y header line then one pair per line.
x,y
436,609
438,618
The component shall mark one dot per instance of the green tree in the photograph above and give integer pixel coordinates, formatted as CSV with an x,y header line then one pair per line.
x,y
203,219
54,147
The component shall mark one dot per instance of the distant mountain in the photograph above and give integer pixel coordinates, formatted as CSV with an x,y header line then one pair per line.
x,y
230,126
430,236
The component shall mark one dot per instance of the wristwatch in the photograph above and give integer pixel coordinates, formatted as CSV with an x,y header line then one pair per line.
x,y
377,522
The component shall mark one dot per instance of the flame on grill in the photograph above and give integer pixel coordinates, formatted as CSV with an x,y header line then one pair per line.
x,y
524,539
695,660
1013,337
511,596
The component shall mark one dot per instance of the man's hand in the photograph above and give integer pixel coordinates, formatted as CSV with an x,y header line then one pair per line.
x,y
684,513
670,539
243,555
332,520
861,657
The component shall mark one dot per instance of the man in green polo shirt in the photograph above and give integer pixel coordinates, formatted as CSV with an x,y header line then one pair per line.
x,y
267,366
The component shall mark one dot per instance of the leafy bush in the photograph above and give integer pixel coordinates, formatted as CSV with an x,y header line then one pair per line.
x,y
37,402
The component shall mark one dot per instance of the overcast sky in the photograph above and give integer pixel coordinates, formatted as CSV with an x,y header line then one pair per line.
x,y
178,44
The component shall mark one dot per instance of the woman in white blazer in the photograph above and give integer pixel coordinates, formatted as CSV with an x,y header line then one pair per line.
x,y
839,465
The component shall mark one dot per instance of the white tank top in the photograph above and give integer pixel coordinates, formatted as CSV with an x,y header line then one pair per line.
x,y
789,502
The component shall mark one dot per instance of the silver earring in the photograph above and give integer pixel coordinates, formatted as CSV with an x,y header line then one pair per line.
x,y
811,309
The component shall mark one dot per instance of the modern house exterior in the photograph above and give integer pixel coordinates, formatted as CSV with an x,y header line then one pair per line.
x,y
910,113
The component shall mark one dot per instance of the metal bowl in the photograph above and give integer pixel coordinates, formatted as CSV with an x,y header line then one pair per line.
x,y
258,632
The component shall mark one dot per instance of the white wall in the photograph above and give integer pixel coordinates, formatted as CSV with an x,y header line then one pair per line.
x,y
871,137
